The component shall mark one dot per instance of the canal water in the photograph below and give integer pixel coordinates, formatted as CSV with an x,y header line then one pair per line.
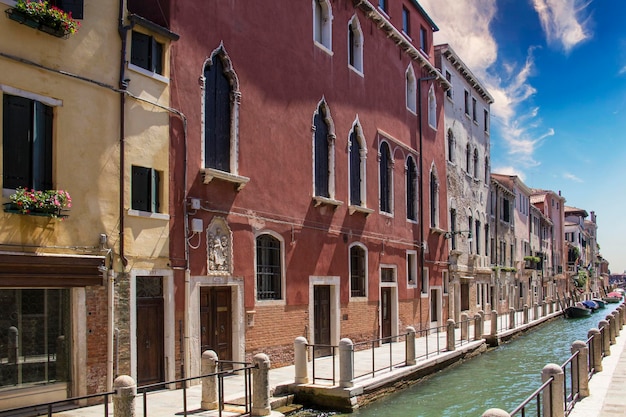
x,y
500,378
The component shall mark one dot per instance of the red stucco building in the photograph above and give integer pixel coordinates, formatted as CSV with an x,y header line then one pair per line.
x,y
309,183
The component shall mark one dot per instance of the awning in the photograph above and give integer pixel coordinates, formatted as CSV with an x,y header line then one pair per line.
x,y
29,270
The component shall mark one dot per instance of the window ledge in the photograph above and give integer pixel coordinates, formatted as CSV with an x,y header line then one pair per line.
x,y
326,201
148,215
323,48
150,74
208,174
360,209
423,294
356,70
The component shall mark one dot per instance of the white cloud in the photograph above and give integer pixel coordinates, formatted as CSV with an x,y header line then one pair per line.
x,y
465,26
563,21
572,177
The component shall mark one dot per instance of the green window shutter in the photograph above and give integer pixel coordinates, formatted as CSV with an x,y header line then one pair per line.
x,y
155,191
140,189
16,140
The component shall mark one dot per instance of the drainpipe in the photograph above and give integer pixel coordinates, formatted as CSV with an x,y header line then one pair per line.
x,y
421,186
123,86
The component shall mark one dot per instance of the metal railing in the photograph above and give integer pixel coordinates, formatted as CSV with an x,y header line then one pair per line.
x,y
571,393
535,397
440,332
388,364
333,358
56,406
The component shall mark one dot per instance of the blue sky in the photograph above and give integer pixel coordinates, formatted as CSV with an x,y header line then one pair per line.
x,y
557,72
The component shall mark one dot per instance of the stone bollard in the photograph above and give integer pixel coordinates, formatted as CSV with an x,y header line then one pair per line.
x,y
300,361
495,412
611,321
210,400
346,363
464,326
616,323
124,397
554,394
596,346
604,326
525,314
450,334
261,385
478,326
13,344
535,311
511,318
620,316
494,322
410,346
580,382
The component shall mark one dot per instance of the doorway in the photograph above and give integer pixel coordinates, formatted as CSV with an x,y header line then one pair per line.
x,y
216,321
149,333
321,320
385,314
435,307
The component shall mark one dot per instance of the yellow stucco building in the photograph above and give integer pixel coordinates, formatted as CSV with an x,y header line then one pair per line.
x,y
83,113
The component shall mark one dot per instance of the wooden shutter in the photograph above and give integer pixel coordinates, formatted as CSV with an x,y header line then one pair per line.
x,y
140,50
385,179
355,170
75,7
157,57
217,117
17,130
42,147
411,185
155,202
140,193
321,155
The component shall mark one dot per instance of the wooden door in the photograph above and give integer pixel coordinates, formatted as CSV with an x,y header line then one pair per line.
x,y
216,321
150,351
434,306
465,290
321,319
385,313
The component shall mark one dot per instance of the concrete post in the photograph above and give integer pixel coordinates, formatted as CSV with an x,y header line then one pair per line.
x,y
450,335
604,326
346,363
535,311
525,314
261,385
124,397
478,326
611,328
495,412
410,346
210,400
616,324
580,369
300,360
464,326
596,346
13,344
494,322
553,394
511,318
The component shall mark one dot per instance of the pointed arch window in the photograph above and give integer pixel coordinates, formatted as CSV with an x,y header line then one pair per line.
x,y
357,155
434,199
411,87
450,146
355,45
432,108
487,170
385,169
221,110
468,156
453,228
322,23
324,151
411,189
476,163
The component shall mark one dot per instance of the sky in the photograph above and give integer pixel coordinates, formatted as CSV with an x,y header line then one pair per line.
x,y
557,72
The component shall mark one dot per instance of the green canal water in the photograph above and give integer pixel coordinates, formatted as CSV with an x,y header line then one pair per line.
x,y
502,377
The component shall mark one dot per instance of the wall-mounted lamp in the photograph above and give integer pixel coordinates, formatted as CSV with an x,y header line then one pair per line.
x,y
448,235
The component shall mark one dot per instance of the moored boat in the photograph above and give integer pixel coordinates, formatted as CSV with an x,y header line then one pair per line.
x,y
591,305
599,302
577,311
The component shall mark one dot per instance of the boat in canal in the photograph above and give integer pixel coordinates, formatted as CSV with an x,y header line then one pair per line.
x,y
600,302
613,297
591,305
576,311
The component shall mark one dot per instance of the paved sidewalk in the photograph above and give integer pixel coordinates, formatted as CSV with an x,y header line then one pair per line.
x,y
607,388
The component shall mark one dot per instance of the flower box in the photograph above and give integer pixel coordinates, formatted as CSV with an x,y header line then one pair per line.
x,y
15,209
39,15
50,203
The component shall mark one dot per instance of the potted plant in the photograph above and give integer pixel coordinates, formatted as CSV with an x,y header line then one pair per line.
x,y
40,15
49,203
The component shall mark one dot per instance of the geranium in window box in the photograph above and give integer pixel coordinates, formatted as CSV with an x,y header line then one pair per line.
x,y
50,203
40,15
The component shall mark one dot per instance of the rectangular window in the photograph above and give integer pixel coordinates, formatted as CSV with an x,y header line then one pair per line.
x,y
406,21
486,120
75,7
36,337
26,144
445,280
145,187
467,103
357,272
387,275
449,79
474,117
424,280
146,53
382,5
423,39
268,268
411,268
